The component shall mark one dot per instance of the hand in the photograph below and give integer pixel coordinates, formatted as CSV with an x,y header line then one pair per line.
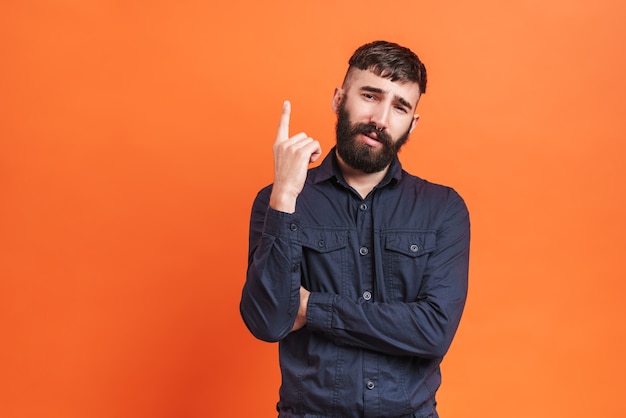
x,y
292,157
304,303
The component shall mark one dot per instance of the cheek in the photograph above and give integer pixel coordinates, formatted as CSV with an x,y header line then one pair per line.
x,y
359,110
402,126
357,115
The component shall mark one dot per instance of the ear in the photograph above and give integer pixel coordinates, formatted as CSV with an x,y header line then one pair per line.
x,y
416,119
337,98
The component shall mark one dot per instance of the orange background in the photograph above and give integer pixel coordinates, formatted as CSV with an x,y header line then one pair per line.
x,y
134,136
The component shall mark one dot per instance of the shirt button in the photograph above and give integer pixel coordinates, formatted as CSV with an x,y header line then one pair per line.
x,y
321,244
363,251
363,206
370,385
367,295
293,227
414,248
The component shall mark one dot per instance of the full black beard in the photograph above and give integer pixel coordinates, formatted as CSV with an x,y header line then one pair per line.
x,y
361,156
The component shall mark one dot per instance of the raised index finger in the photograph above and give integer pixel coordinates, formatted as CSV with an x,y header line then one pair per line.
x,y
283,126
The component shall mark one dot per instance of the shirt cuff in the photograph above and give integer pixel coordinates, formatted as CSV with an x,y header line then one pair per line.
x,y
320,309
281,224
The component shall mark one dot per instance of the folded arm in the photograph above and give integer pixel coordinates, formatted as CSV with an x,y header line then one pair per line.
x,y
424,327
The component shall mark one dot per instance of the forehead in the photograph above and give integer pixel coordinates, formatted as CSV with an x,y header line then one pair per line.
x,y
358,79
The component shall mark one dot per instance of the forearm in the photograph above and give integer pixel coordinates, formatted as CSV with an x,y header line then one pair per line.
x,y
270,303
271,294
423,329
423,326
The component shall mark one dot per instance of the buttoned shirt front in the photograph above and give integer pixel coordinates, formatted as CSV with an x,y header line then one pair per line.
x,y
388,281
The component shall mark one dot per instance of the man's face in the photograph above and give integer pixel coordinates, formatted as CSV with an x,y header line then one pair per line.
x,y
374,119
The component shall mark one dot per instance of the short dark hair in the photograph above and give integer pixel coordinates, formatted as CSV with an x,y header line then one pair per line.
x,y
390,60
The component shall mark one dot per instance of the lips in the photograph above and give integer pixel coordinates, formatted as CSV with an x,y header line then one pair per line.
x,y
371,140
372,135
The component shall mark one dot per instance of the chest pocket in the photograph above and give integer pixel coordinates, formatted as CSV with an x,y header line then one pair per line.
x,y
405,258
324,259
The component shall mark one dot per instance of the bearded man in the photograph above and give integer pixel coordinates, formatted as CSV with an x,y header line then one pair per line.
x,y
356,267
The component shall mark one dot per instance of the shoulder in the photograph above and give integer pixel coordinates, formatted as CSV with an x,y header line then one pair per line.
x,y
437,202
425,188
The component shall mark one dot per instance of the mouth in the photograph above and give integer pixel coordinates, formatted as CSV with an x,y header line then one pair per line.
x,y
371,139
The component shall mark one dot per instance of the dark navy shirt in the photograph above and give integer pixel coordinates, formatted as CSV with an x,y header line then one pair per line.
x,y
388,281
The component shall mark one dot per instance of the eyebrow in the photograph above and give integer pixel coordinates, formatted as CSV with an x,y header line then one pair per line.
x,y
371,89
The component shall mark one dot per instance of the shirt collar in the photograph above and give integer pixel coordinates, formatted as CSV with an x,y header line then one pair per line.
x,y
329,169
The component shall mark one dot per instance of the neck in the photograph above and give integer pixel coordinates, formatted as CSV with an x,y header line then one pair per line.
x,y
360,181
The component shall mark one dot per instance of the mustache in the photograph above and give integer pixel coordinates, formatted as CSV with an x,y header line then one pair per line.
x,y
366,129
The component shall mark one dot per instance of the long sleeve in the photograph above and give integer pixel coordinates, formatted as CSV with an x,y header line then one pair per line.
x,y
388,280
271,293
424,327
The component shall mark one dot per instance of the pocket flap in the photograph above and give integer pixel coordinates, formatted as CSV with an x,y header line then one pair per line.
x,y
323,240
411,244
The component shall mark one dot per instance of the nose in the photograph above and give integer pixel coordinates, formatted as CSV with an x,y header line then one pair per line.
x,y
380,116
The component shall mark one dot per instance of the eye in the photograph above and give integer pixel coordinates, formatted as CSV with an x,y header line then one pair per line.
x,y
401,109
369,96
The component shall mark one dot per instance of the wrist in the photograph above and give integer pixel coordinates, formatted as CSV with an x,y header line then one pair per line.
x,y
283,201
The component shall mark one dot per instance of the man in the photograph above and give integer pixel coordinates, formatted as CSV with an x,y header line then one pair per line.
x,y
356,267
